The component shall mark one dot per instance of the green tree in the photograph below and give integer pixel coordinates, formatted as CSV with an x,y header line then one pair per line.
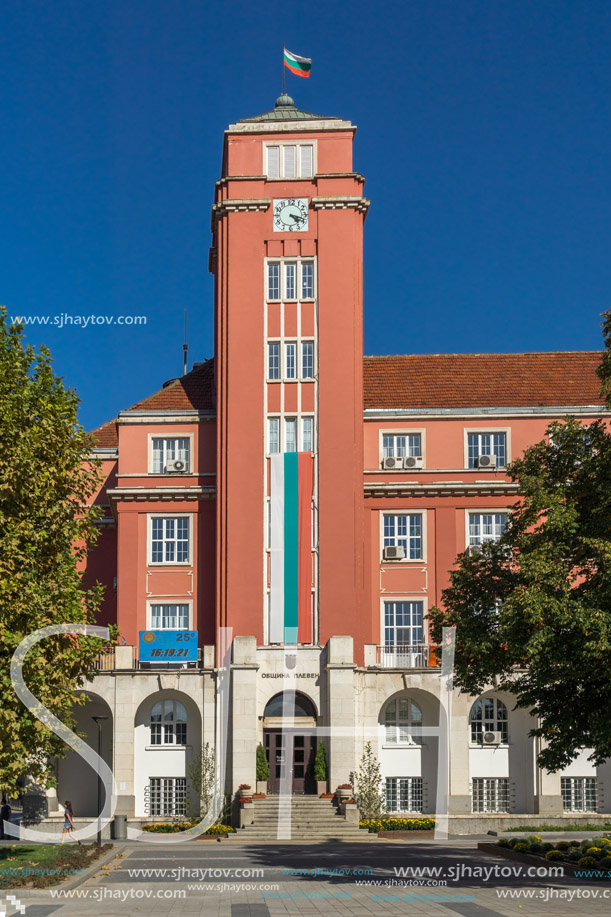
x,y
46,485
262,767
533,612
367,785
202,776
320,763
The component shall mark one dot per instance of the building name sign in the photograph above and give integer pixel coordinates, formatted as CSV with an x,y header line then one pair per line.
x,y
290,674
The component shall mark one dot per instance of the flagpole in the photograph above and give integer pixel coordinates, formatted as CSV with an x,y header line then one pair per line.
x,y
283,71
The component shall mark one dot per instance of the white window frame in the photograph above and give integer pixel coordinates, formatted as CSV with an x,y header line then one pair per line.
x,y
163,732
149,540
282,262
489,724
299,144
473,511
411,740
423,535
413,431
294,344
164,601
303,341
268,377
175,436
487,784
285,420
174,783
415,791
278,419
302,419
491,431
572,793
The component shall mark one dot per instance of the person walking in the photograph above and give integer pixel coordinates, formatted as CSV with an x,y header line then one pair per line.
x,y
68,822
5,815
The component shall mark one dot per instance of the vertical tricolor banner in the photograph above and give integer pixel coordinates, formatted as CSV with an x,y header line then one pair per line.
x,y
291,479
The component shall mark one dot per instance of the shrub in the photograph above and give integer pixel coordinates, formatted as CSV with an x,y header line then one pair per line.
x,y
605,862
397,824
574,854
595,852
537,849
367,780
563,845
548,846
515,840
534,839
174,828
587,862
574,843
262,767
504,842
520,847
554,855
600,842
320,763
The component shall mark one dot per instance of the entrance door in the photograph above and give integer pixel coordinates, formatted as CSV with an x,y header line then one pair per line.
x,y
301,767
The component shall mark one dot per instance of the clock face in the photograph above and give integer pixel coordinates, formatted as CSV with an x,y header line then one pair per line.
x,y
291,214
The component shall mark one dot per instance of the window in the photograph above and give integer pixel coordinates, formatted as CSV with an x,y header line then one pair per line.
x,y
290,280
273,280
169,617
490,794
486,444
307,280
485,527
307,359
167,795
401,716
168,723
290,360
307,434
289,160
170,540
169,450
402,445
404,794
405,532
273,435
579,794
290,434
273,360
403,625
488,715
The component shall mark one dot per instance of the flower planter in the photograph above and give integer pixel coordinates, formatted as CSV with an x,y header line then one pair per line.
x,y
261,788
321,787
343,793
244,791
259,795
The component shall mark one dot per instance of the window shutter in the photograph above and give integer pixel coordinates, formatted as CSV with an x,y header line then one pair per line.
x,y
306,152
273,162
290,164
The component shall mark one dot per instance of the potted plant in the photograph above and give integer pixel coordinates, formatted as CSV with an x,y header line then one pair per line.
x,y
262,768
343,792
320,769
244,789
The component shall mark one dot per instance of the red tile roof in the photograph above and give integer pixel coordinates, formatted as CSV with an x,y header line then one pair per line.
x,y
482,380
468,380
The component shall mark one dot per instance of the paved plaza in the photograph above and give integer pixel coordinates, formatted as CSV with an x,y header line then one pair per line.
x,y
261,880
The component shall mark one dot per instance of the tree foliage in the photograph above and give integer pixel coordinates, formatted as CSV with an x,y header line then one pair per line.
x,y
367,785
262,767
534,610
202,776
45,530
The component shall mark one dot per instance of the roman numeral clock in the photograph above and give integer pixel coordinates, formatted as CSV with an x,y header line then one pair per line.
x,y
291,214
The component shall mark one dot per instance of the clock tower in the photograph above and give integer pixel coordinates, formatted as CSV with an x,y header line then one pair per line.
x,y
287,257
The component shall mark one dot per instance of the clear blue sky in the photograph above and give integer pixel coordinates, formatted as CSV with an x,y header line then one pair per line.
x,y
484,133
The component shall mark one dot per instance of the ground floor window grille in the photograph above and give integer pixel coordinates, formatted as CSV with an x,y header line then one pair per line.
x,y
404,794
579,794
167,795
490,794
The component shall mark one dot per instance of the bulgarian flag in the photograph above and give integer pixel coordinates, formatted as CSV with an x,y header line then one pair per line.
x,y
291,479
300,66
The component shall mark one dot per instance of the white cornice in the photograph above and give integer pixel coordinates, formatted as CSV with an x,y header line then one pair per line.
x,y
237,204
583,410
296,126
441,489
166,417
107,453
154,494
341,202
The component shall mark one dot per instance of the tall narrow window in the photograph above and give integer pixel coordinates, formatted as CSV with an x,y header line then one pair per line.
x,y
170,540
273,360
168,451
273,280
290,280
485,527
291,360
402,715
307,359
273,162
290,435
307,160
167,796
169,617
168,723
290,161
405,532
307,280
479,444
273,435
307,434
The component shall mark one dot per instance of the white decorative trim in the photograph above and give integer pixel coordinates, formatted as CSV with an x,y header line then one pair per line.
x,y
440,489
166,416
250,205
150,494
341,202
109,453
540,410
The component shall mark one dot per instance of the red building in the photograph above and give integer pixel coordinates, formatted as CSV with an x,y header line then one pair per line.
x,y
313,501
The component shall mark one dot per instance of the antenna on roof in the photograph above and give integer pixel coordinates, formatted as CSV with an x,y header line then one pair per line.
x,y
185,349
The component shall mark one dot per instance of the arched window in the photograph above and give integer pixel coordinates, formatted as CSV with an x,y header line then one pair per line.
x,y
168,723
401,716
488,714
303,706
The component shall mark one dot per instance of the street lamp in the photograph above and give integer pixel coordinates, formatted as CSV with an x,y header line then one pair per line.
x,y
98,721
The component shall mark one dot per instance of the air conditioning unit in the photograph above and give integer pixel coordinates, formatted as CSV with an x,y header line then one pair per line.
x,y
396,552
492,738
486,461
177,465
412,461
391,461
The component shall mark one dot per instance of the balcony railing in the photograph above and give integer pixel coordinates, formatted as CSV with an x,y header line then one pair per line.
x,y
416,656
123,658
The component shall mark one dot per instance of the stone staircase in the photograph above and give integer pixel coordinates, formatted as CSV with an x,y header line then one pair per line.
x,y
312,819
